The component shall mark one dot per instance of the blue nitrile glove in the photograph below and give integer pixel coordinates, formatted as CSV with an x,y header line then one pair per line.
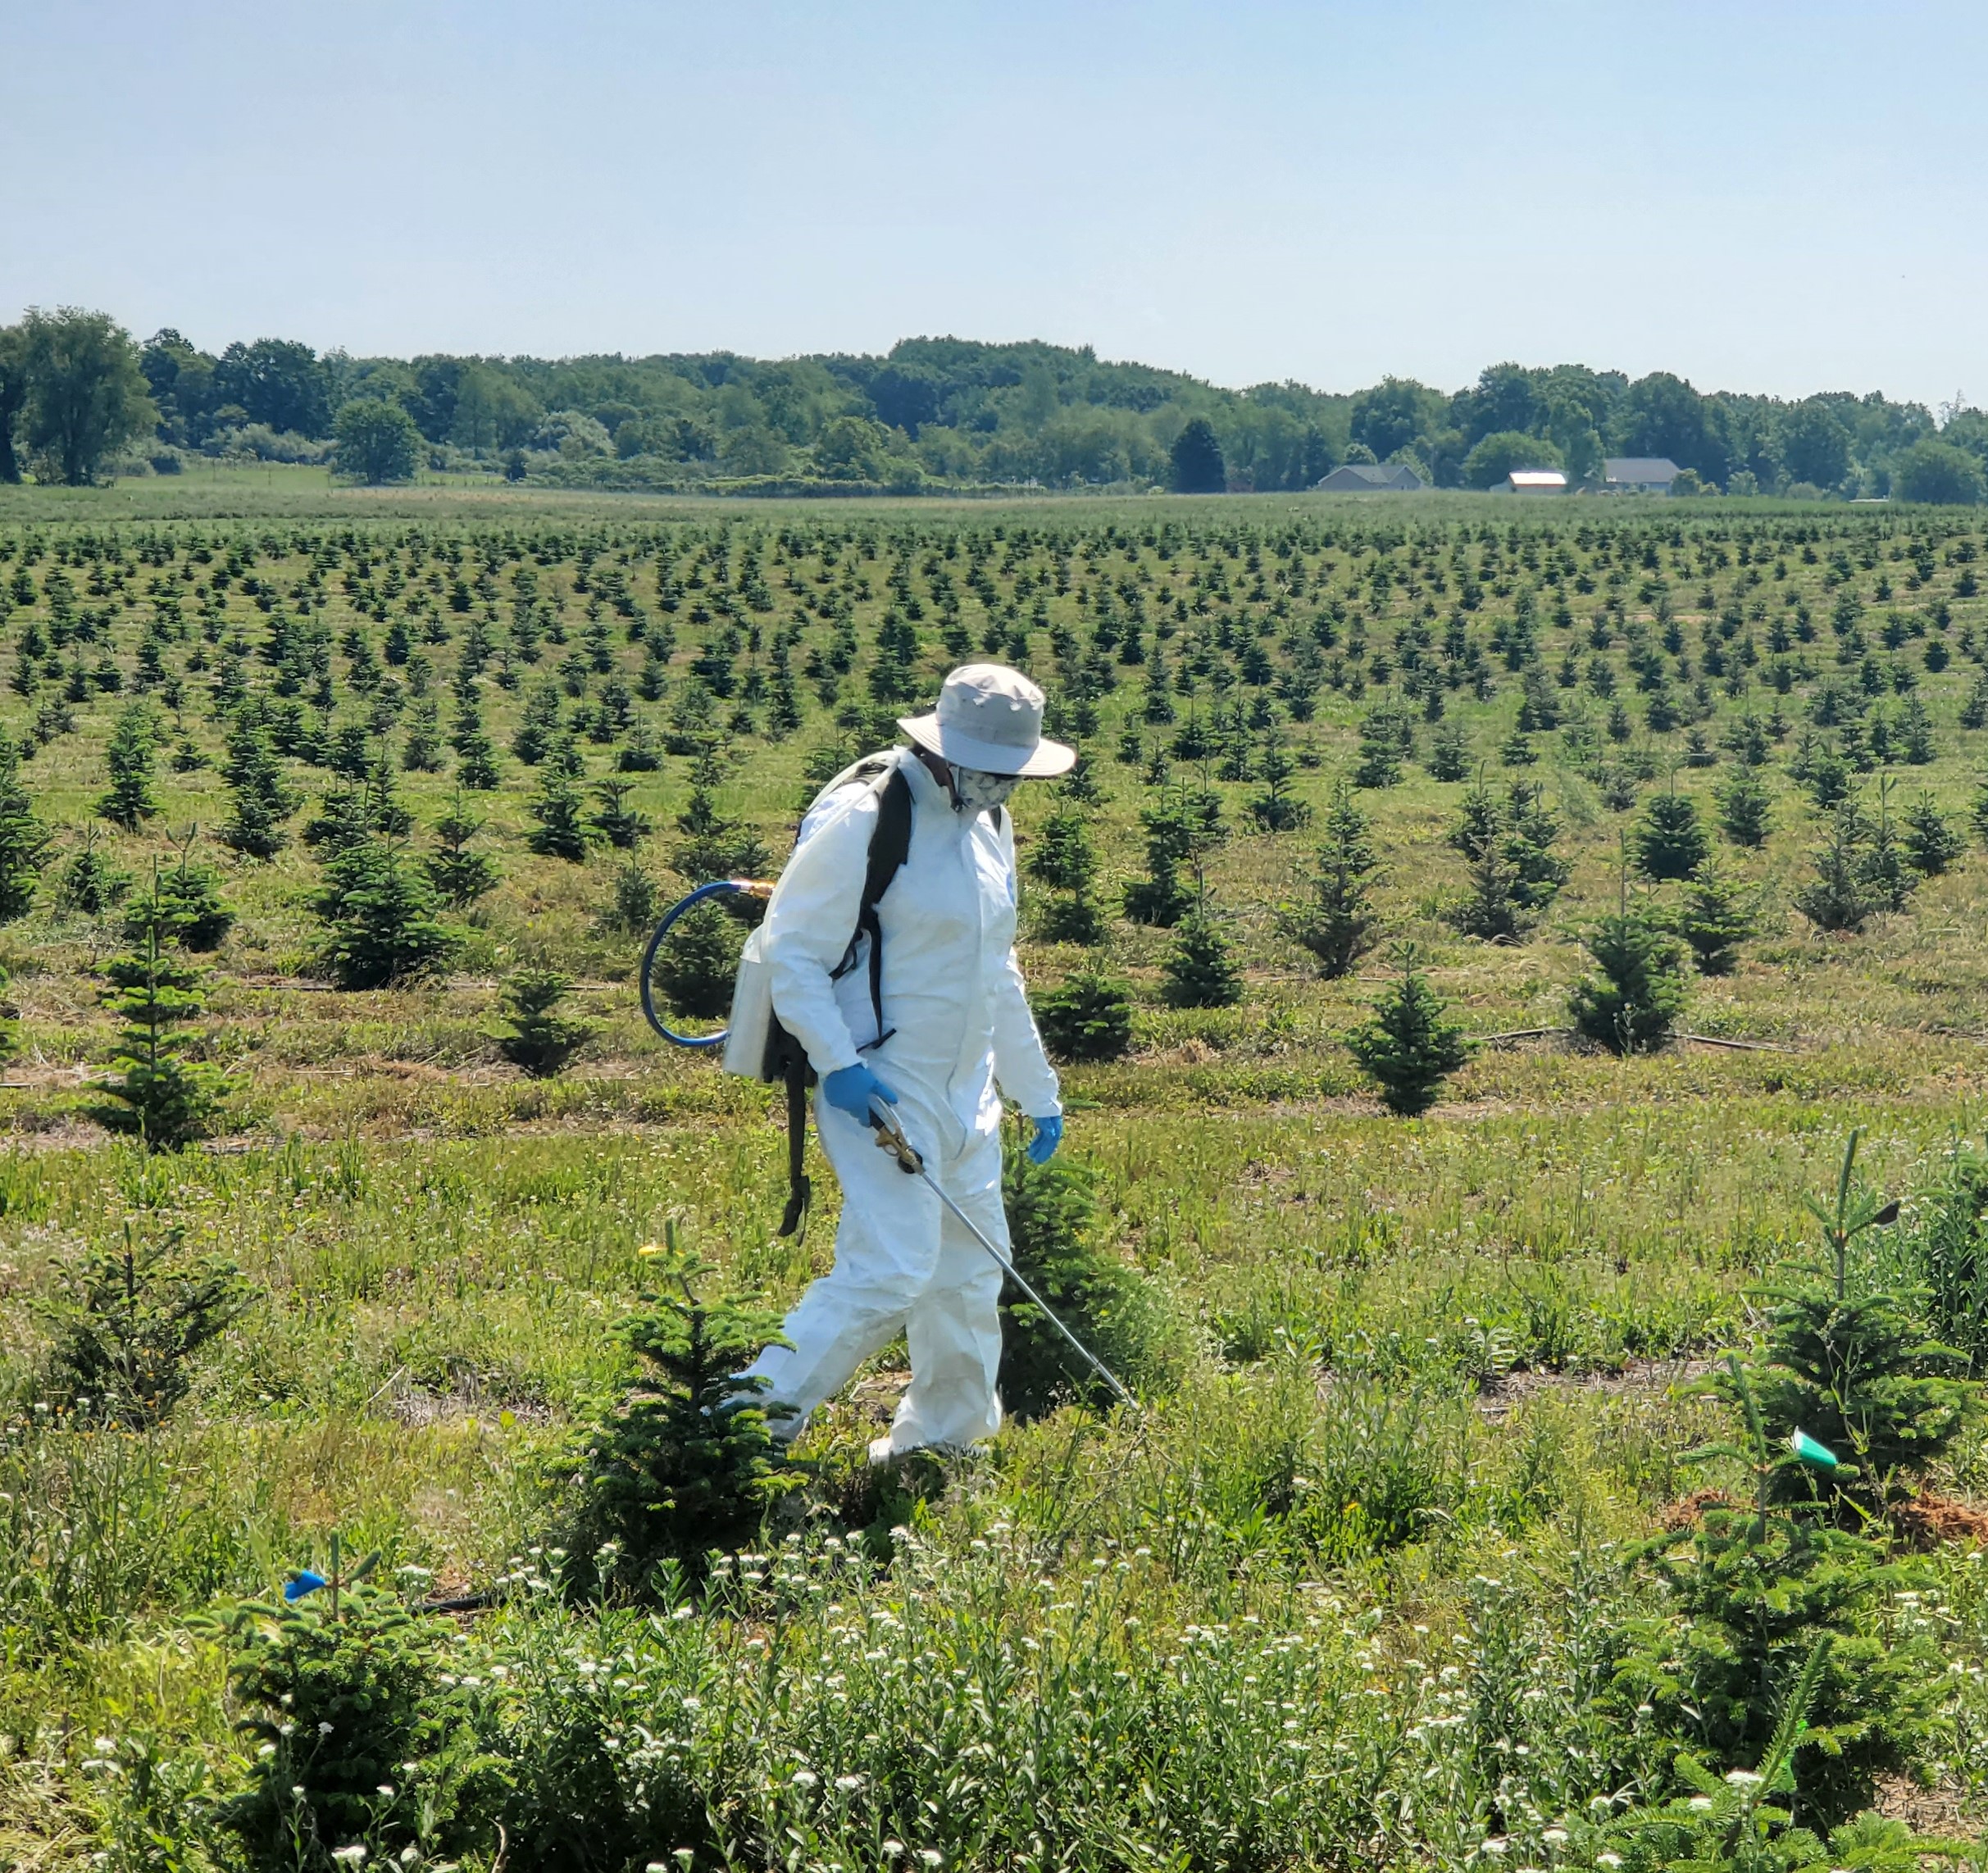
x,y
851,1089
1048,1135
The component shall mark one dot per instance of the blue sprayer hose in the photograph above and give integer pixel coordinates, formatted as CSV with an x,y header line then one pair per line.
x,y
752,888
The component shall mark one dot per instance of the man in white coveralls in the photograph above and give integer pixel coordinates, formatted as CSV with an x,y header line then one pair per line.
x,y
955,1026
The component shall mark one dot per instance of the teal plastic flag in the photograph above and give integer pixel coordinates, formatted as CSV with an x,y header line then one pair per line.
x,y
1816,1456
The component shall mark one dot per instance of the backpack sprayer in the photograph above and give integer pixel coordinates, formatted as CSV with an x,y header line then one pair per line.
x,y
756,1046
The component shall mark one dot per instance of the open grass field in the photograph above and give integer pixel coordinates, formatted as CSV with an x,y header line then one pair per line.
x,y
1367,1583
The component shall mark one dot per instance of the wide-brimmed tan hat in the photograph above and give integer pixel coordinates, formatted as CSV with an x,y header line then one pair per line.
x,y
990,717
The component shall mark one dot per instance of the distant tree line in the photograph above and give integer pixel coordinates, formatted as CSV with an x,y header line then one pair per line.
x,y
77,395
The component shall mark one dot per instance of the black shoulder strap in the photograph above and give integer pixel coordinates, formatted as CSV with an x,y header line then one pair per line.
x,y
889,847
891,842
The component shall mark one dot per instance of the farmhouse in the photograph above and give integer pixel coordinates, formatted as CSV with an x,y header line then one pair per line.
x,y
1638,474
1534,481
1372,478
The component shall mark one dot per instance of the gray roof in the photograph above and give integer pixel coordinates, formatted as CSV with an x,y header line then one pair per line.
x,y
1356,477
1638,468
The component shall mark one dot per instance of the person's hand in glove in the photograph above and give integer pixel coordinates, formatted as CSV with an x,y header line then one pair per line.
x,y
851,1089
1048,1135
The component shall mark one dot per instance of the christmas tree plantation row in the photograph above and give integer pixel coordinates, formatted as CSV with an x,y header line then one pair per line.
x,y
412,751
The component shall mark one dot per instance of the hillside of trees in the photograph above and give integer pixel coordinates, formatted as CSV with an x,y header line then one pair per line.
x,y
80,397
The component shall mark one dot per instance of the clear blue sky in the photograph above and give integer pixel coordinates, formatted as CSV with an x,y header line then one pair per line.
x,y
1774,197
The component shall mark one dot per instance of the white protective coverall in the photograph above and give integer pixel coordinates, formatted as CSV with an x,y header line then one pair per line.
x,y
956,1023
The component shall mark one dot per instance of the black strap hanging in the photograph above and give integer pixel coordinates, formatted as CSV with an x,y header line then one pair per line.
x,y
800,1192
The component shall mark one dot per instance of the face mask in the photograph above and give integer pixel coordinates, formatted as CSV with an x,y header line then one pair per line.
x,y
975,791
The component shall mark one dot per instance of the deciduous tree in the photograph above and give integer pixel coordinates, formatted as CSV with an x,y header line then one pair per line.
x,y
1938,472
85,396
377,442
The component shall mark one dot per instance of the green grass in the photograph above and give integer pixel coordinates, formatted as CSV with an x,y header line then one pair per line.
x,y
440,1248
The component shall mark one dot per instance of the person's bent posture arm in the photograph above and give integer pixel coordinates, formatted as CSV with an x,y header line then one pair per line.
x,y
937,1031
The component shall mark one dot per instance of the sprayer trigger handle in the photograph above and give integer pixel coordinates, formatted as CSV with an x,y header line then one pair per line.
x,y
890,1138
